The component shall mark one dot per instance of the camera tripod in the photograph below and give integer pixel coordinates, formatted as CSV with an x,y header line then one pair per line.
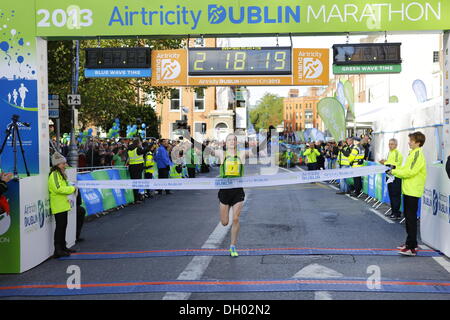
x,y
13,132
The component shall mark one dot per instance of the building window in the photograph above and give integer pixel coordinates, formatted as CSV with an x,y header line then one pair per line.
x,y
175,99
309,115
199,99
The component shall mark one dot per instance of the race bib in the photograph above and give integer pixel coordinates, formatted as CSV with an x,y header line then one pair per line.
x,y
232,168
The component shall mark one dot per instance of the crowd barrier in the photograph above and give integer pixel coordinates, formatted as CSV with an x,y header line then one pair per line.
x,y
100,200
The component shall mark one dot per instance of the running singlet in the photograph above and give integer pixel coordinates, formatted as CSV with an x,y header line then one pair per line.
x,y
231,167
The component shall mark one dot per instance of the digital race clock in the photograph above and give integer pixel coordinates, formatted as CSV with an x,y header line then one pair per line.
x,y
240,61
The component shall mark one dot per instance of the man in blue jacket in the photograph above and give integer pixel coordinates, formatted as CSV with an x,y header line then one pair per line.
x,y
163,162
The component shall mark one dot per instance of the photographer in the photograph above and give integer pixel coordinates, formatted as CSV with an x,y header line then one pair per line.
x,y
311,155
4,179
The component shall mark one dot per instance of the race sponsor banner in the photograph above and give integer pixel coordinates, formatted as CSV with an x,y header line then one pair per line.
x,y
244,182
18,87
119,194
435,210
87,18
125,175
311,67
331,112
92,198
108,198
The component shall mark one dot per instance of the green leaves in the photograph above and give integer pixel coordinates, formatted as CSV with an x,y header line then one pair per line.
x,y
105,99
268,111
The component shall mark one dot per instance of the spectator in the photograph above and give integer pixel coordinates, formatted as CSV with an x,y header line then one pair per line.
x,y
136,165
163,162
447,167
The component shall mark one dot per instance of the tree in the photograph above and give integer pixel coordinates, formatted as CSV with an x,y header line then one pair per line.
x,y
104,99
268,111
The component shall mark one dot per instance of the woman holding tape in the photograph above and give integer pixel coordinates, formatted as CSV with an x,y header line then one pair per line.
x,y
231,167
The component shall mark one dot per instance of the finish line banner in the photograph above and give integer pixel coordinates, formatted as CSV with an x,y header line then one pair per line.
x,y
244,182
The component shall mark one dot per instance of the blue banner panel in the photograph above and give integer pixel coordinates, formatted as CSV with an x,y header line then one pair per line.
x,y
92,198
119,194
117,73
19,97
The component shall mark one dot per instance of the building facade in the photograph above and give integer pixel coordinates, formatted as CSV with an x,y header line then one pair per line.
x,y
300,112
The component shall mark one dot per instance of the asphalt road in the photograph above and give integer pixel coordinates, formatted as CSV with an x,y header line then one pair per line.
x,y
306,215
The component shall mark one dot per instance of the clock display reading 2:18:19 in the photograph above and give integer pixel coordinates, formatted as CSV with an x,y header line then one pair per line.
x,y
240,61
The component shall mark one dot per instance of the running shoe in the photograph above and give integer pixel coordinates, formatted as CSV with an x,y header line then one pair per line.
x,y
403,246
233,251
408,252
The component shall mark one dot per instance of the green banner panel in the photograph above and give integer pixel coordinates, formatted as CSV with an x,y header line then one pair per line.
x,y
125,175
109,201
88,18
367,69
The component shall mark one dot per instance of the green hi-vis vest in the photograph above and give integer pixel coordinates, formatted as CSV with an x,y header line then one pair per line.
x,y
149,163
231,167
134,158
394,158
356,158
174,174
342,159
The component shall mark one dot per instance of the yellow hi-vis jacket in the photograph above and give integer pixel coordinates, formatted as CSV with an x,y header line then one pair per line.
x,y
342,159
311,155
395,158
149,163
173,174
413,174
356,158
134,158
59,189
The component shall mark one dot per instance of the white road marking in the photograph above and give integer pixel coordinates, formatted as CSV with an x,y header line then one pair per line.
x,y
198,265
443,262
317,271
382,216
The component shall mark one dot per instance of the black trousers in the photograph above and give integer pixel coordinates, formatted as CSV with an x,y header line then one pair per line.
x,y
60,230
395,195
136,173
191,172
81,213
163,173
410,206
357,181
148,175
312,166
